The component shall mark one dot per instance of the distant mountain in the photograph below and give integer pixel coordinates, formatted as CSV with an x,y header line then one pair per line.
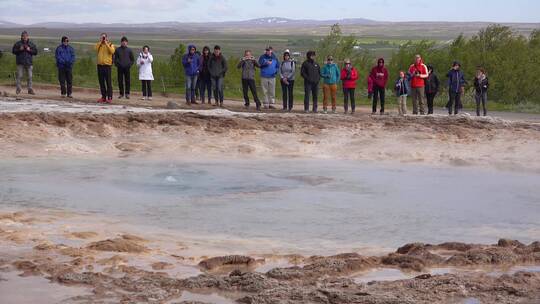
x,y
259,22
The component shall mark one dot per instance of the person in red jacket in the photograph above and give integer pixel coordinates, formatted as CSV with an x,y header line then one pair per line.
x,y
349,76
419,72
379,75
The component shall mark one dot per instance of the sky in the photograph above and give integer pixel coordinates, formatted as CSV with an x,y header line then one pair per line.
x,y
143,11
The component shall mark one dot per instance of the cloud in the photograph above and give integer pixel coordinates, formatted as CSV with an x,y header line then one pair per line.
x,y
220,8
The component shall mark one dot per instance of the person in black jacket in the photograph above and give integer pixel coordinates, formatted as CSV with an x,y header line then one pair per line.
x,y
124,59
432,88
217,66
481,85
205,79
311,72
24,50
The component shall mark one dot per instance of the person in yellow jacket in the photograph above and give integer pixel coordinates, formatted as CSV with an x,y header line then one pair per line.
x,y
105,51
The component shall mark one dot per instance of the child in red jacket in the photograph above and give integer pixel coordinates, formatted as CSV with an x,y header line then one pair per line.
x,y
349,76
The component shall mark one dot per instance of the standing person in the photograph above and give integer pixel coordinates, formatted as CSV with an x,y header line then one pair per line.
x,y
379,76
349,76
311,72
481,85
419,72
431,88
24,50
144,62
456,86
248,65
218,68
287,72
198,83
402,88
124,59
330,74
269,68
105,51
65,58
204,75
191,63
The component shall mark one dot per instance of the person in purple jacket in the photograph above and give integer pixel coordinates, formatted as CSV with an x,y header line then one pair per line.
x,y
191,62
65,58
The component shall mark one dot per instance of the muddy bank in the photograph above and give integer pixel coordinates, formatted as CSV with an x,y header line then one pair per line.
x,y
125,132
128,268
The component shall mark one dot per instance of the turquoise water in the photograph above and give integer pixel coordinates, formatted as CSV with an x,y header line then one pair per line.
x,y
303,205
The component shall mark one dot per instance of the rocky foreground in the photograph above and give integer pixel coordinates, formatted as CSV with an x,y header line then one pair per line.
x,y
315,279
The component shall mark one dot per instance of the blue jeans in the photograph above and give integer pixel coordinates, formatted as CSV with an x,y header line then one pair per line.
x,y
217,85
191,84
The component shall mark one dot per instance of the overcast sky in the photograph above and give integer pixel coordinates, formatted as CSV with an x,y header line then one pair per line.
x,y
141,11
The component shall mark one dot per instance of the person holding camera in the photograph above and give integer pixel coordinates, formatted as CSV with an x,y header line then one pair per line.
x,y
105,51
269,69
124,59
481,85
24,50
349,76
144,62
379,75
191,62
248,65
65,58
419,72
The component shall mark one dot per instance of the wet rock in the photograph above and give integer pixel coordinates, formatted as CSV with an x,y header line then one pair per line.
x,y
85,278
510,243
27,267
230,260
172,105
488,256
404,261
117,245
456,246
83,234
162,265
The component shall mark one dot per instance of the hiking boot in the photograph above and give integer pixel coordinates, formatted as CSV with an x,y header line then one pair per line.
x,y
272,107
333,111
221,104
69,96
64,96
143,98
18,91
121,96
149,98
109,100
306,111
258,108
31,92
324,111
346,112
101,100
127,96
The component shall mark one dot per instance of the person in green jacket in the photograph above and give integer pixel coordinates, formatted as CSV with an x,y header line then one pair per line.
x,y
330,74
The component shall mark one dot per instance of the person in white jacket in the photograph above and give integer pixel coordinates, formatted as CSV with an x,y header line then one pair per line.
x,y
144,62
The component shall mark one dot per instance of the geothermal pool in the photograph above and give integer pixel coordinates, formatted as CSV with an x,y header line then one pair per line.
x,y
286,205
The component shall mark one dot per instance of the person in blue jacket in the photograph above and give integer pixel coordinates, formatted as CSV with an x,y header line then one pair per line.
x,y
269,69
65,58
192,63
456,85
